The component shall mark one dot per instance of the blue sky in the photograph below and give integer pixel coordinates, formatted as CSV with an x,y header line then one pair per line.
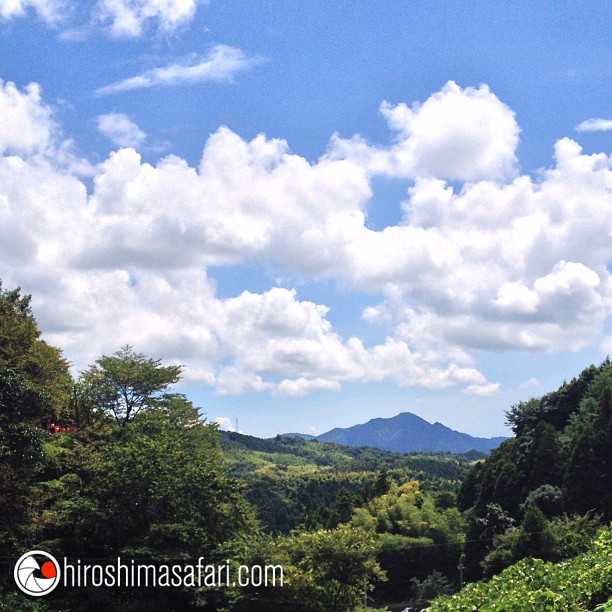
x,y
328,211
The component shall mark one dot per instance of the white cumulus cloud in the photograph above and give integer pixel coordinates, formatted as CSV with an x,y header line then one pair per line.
x,y
51,11
595,125
120,18
225,424
459,134
120,130
483,390
128,18
27,125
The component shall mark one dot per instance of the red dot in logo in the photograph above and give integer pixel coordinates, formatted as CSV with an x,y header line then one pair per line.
x,y
48,569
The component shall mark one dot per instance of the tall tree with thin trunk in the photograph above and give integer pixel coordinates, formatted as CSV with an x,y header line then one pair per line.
x,y
127,382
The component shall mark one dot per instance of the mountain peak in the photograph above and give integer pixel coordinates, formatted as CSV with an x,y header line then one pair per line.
x,y
408,432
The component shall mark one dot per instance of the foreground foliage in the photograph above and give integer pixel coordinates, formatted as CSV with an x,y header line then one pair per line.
x,y
579,584
327,569
34,387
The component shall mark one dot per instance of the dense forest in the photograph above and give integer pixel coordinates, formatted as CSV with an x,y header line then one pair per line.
x,y
294,482
553,477
113,463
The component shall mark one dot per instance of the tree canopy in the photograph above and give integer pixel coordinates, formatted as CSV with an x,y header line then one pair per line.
x,y
558,464
126,382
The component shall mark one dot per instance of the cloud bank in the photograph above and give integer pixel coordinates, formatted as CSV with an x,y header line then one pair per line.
x,y
502,262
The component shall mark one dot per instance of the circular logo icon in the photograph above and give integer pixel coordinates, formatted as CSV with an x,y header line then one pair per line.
x,y
37,573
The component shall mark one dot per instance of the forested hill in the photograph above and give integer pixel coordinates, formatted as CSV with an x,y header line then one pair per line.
x,y
294,482
408,432
556,471
250,454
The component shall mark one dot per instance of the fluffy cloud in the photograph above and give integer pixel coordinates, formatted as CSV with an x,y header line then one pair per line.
x,y
530,382
482,390
28,131
128,18
120,130
26,110
225,424
50,11
595,125
498,264
221,63
124,18
458,134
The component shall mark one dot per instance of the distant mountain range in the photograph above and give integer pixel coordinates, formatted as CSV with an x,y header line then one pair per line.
x,y
407,432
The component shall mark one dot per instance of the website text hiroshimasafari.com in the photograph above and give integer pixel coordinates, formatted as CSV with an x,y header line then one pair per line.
x,y
138,574
38,573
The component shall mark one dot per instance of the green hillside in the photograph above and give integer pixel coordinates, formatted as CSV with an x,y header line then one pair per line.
x,y
581,583
298,483
557,465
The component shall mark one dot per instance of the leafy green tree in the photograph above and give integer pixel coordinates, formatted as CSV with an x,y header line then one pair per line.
x,y
574,533
524,416
471,486
481,534
156,490
338,568
535,537
382,485
125,383
324,570
18,330
445,500
433,585
500,555
34,380
507,488
547,498
415,537
34,386
544,458
559,459
583,477
343,507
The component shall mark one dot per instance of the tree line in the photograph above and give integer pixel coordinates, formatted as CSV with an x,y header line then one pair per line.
x,y
544,492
